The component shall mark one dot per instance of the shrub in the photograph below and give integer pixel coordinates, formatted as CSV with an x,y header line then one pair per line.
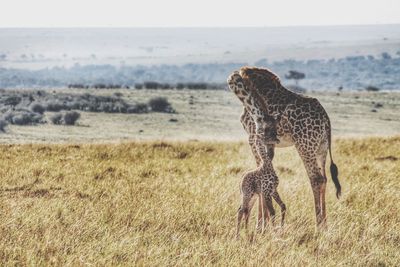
x,y
138,108
119,108
71,117
25,118
160,104
372,89
196,85
3,125
180,86
295,75
12,100
38,108
138,86
55,106
74,105
56,118
151,85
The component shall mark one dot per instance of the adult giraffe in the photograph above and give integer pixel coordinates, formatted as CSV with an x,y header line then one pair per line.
x,y
304,123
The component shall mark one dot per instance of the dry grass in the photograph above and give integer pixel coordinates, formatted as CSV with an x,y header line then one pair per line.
x,y
158,204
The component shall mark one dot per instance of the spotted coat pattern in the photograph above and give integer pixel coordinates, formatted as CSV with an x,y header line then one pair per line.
x,y
261,182
304,123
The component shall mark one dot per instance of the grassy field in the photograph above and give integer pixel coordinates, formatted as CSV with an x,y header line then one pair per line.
x,y
174,203
206,115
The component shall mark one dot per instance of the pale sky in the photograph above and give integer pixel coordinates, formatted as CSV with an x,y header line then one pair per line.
x,y
200,13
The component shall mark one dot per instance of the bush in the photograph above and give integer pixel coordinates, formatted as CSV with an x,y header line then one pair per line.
x,y
138,86
180,86
160,104
138,108
55,106
372,89
56,118
71,117
12,100
3,125
196,86
24,118
38,108
151,85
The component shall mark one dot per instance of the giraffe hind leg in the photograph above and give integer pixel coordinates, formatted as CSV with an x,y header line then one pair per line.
x,y
244,211
269,209
318,185
321,160
282,205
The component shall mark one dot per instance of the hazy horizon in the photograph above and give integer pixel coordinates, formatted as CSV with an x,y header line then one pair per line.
x,y
134,55
36,48
175,13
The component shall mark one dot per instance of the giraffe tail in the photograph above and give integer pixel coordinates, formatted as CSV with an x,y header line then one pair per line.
x,y
333,168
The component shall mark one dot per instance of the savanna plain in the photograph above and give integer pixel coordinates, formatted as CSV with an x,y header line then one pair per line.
x,y
162,189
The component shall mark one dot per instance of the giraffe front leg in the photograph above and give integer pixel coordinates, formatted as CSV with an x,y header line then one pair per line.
x,y
260,219
239,221
282,205
269,209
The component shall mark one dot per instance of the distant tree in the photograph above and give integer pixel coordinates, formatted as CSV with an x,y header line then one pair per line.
x,y
372,88
56,118
295,75
160,104
38,108
138,86
12,100
71,117
3,125
386,55
151,85
180,86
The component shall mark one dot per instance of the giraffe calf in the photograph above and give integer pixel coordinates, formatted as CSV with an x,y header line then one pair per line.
x,y
261,182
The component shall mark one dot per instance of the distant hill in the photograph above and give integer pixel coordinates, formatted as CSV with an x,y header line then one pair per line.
x,y
350,73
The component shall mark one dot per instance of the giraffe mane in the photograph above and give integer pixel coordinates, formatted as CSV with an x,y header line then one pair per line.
x,y
264,107
246,73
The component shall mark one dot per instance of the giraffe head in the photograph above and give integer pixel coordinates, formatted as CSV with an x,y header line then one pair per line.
x,y
236,84
259,78
267,127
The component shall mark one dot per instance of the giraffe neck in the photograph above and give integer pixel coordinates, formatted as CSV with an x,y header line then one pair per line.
x,y
262,152
255,108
